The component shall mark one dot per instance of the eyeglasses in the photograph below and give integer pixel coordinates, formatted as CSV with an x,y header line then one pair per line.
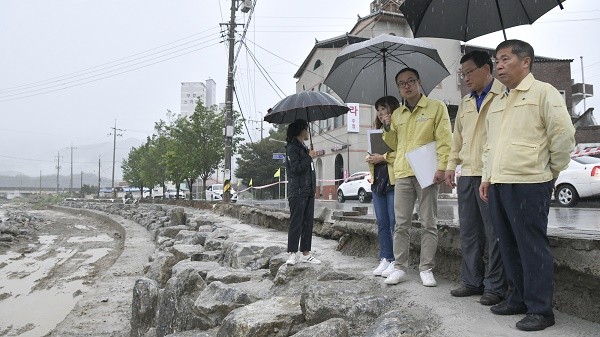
x,y
467,73
410,83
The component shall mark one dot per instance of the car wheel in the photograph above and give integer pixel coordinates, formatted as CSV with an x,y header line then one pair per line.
x,y
566,195
340,196
362,196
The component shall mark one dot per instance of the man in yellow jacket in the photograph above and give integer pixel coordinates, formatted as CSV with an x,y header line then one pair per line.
x,y
530,137
419,121
467,146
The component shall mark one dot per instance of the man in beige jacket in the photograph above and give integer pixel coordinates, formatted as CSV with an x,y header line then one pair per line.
x,y
474,216
530,137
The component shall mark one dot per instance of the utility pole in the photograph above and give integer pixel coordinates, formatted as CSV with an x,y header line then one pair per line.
x,y
98,178
71,183
229,100
114,134
583,80
57,172
40,182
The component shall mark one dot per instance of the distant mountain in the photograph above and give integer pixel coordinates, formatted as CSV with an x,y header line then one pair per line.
x,y
49,181
85,159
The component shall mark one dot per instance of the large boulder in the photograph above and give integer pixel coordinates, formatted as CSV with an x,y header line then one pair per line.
x,y
195,333
229,275
191,237
200,267
217,300
178,217
185,252
335,327
321,302
400,323
159,269
143,306
171,232
252,255
274,317
176,308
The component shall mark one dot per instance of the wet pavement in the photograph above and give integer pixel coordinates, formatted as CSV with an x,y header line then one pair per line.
x,y
560,220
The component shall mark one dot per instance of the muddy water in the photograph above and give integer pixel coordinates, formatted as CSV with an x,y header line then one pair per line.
x,y
42,280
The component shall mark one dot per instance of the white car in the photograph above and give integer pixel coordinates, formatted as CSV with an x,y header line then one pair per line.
x,y
215,192
171,193
580,180
357,186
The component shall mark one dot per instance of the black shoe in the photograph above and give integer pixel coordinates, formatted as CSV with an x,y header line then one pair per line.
x,y
490,299
464,292
503,308
535,322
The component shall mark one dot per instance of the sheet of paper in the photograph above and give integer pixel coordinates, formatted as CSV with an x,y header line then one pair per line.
x,y
375,143
423,161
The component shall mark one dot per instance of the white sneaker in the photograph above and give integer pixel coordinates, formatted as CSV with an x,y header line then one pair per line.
x,y
382,266
389,270
396,277
292,259
309,259
427,278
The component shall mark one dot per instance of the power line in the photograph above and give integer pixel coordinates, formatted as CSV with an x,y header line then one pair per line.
x,y
102,78
88,70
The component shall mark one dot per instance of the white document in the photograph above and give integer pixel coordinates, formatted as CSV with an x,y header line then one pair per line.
x,y
423,161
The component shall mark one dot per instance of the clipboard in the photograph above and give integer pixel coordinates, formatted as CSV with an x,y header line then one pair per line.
x,y
423,161
375,143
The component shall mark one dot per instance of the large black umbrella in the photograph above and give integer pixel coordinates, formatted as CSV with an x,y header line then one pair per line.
x,y
362,72
307,105
467,19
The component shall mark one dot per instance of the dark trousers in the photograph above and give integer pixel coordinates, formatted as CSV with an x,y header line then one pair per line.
x,y
520,218
475,230
302,211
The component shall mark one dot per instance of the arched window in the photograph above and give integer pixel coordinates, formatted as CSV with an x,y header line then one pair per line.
x,y
318,63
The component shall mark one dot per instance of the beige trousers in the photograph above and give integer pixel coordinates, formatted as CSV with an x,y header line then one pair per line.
x,y
406,192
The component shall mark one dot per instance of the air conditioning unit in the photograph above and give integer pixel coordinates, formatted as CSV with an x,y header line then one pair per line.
x,y
246,6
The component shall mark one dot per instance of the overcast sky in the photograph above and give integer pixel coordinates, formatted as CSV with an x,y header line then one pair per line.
x,y
69,68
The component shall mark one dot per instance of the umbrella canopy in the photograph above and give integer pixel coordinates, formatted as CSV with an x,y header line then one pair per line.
x,y
467,19
363,72
307,105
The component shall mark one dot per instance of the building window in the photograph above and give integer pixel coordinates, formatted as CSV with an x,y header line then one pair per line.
x,y
318,63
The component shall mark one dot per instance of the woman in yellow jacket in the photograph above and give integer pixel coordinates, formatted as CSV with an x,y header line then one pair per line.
x,y
382,188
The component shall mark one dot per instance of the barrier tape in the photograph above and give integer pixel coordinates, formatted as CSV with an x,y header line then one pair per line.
x,y
586,152
284,182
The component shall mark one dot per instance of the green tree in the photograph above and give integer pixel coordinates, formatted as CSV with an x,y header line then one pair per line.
x,y
196,146
256,161
132,167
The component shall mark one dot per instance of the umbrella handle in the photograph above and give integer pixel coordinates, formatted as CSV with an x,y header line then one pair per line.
x,y
310,137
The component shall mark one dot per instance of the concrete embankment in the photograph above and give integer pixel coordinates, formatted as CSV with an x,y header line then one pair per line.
x,y
221,272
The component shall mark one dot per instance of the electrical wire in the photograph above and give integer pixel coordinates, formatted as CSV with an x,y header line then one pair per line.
x,y
95,79
104,66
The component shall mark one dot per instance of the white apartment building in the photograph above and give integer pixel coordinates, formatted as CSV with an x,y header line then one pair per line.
x,y
191,92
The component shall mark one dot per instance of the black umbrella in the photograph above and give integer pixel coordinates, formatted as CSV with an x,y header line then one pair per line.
x,y
467,19
307,105
362,72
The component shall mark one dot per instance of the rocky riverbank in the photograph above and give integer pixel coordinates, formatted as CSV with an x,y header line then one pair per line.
x,y
212,275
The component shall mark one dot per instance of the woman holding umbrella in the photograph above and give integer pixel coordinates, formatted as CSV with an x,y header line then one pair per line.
x,y
301,192
383,178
